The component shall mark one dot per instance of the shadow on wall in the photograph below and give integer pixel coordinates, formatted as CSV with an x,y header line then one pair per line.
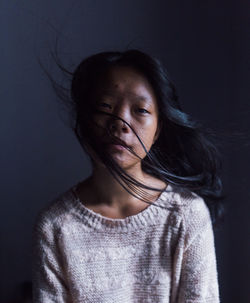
x,y
23,293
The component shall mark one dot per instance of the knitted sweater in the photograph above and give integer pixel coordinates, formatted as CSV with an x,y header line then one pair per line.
x,y
165,253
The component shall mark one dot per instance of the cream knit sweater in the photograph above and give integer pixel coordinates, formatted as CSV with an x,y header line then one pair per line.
x,y
165,253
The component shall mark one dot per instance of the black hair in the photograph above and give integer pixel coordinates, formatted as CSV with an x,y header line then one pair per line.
x,y
184,154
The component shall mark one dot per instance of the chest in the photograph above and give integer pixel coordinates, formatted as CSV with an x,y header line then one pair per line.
x,y
100,258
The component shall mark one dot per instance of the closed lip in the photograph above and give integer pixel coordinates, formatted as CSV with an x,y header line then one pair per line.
x,y
117,142
116,147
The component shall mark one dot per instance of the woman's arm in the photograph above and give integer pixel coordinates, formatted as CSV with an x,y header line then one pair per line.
x,y
198,281
49,283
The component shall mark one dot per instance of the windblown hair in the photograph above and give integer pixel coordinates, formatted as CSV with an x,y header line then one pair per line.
x,y
183,155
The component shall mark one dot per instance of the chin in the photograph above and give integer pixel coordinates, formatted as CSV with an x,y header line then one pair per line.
x,y
128,165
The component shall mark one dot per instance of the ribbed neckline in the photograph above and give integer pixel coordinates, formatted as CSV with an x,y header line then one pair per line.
x,y
148,216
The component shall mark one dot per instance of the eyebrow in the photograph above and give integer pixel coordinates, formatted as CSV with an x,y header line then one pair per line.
x,y
140,98
133,95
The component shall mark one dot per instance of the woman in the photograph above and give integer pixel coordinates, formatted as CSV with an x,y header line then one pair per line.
x,y
139,229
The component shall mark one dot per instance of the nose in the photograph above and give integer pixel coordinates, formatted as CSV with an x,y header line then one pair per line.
x,y
116,125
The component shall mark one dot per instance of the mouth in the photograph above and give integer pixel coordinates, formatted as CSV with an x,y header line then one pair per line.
x,y
116,147
117,142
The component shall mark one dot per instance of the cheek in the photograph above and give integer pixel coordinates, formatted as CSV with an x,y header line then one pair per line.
x,y
99,124
147,134
149,129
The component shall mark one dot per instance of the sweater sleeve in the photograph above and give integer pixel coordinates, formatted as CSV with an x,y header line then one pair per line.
x,y
198,276
49,283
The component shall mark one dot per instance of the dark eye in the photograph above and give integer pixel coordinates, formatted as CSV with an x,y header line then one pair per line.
x,y
142,110
103,104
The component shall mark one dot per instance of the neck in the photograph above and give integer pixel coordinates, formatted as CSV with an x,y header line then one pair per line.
x,y
109,189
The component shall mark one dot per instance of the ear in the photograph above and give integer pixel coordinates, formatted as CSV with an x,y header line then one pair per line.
x,y
157,133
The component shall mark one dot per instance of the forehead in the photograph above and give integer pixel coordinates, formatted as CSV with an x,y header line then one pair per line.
x,y
127,82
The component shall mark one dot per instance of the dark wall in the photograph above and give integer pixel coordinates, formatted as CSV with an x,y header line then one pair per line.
x,y
204,46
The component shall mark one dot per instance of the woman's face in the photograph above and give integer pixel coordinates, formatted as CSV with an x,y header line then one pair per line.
x,y
127,94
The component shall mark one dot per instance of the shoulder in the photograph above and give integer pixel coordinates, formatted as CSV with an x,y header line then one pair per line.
x,y
191,208
51,217
192,216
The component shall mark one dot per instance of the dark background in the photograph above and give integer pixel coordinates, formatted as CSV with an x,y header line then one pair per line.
x,y
205,47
